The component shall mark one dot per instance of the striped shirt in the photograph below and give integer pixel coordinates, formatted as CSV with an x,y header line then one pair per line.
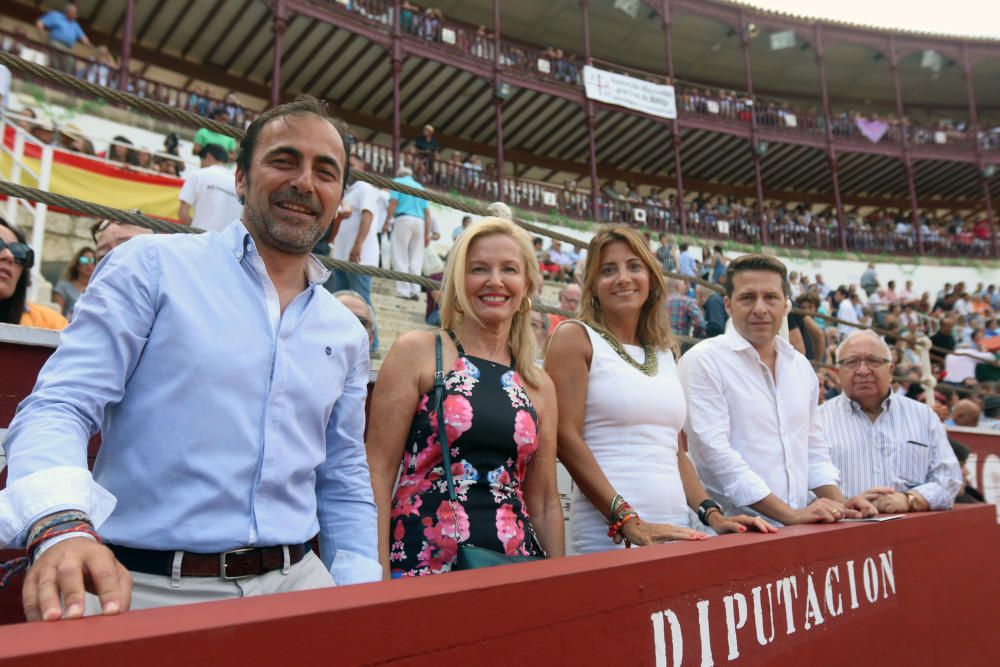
x,y
905,448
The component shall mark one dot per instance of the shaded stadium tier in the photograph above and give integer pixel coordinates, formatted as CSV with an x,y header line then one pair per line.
x,y
810,124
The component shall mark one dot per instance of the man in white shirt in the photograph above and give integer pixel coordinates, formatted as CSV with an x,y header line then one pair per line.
x,y
211,192
845,311
753,422
890,448
355,237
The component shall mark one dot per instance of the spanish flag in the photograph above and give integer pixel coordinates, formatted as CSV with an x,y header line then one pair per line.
x,y
99,181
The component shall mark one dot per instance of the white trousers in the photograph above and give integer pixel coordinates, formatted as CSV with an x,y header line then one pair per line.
x,y
153,590
408,251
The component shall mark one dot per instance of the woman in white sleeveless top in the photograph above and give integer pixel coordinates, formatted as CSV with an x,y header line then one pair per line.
x,y
621,409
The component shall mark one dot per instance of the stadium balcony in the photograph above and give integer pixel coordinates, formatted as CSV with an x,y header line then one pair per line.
x,y
819,139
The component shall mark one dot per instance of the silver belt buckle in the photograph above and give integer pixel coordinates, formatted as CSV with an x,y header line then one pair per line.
x,y
223,564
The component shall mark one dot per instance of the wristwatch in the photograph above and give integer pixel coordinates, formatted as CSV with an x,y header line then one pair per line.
x,y
703,510
911,501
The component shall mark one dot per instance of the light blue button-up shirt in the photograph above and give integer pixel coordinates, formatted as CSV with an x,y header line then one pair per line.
x,y
225,422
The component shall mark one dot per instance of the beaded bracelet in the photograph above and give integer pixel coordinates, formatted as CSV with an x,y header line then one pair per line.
x,y
617,526
61,529
56,519
616,504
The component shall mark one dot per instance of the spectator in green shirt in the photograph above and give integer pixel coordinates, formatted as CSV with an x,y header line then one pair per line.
x,y
205,136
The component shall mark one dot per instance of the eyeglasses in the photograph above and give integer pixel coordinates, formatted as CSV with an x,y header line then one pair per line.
x,y
854,363
23,254
87,260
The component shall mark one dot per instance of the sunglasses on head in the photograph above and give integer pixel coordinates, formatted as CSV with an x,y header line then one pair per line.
x,y
23,255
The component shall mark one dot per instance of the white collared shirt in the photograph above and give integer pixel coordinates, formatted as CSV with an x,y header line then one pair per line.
x,y
906,447
750,436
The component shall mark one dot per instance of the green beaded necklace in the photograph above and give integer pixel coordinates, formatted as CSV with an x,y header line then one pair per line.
x,y
650,366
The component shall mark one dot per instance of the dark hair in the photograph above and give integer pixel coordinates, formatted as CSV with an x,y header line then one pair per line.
x,y
303,104
683,247
12,308
961,451
757,263
807,297
72,270
218,111
217,152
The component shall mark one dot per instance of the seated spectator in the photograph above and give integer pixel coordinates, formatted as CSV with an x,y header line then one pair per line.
x,y
559,256
540,330
891,449
713,306
44,130
965,413
16,260
235,110
683,313
119,151
569,300
356,303
143,158
970,494
205,136
466,221
550,270
103,71
109,234
71,138
752,419
74,281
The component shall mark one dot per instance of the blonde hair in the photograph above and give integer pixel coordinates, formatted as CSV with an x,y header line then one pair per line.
x,y
455,304
653,329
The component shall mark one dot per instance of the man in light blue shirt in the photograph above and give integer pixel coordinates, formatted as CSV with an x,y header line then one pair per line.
x,y
686,263
229,389
411,232
63,33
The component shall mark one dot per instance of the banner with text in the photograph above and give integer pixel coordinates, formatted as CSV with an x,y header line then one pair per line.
x,y
626,91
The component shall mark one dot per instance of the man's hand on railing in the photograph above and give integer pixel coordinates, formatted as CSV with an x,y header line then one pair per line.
x,y
55,584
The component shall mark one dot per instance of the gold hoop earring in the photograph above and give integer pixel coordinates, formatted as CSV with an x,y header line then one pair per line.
x,y
526,300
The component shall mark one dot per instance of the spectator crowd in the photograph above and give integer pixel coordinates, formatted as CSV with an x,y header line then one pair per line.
x,y
467,424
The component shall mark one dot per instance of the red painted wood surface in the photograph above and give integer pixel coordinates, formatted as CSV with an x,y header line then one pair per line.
x,y
984,462
939,607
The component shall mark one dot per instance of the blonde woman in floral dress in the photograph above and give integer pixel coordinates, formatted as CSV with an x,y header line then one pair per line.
x,y
500,416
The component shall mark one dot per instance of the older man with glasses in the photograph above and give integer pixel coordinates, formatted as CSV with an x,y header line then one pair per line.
x,y
890,448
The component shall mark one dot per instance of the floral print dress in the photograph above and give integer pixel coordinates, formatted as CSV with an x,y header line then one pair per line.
x,y
491,428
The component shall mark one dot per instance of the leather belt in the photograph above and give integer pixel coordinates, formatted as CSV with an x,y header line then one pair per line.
x,y
235,564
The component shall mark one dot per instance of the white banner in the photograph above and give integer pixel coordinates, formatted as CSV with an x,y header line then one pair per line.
x,y
631,93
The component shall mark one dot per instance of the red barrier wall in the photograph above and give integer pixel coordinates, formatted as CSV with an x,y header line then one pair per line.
x,y
919,590
984,462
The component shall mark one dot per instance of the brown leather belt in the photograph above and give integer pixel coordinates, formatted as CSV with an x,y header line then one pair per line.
x,y
235,564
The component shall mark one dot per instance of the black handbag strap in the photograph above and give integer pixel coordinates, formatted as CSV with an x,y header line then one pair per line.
x,y
439,409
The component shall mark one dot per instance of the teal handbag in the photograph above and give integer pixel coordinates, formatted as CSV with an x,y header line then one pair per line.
x,y
470,557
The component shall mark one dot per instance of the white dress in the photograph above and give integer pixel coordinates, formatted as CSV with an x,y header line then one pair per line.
x,y
631,426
